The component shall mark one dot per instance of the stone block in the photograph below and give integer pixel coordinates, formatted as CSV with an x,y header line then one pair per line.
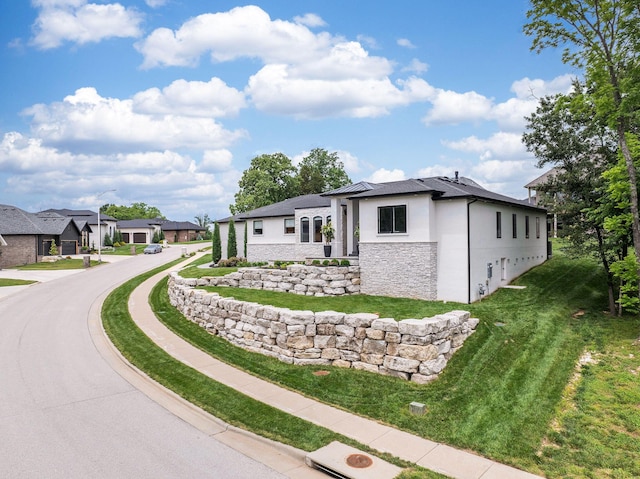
x,y
413,327
326,329
349,355
324,342
363,320
396,363
299,342
330,353
419,353
392,337
374,333
329,317
341,363
376,359
433,366
344,330
372,346
422,379
385,324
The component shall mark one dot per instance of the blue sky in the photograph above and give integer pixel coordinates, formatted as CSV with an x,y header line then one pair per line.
x,y
167,101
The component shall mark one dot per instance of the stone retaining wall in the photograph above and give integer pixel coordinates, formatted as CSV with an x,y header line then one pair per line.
x,y
412,349
296,278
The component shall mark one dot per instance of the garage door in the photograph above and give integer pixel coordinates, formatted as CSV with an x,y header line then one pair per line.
x,y
139,238
69,247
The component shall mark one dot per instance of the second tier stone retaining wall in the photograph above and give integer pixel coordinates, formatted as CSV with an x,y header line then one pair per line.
x,y
412,349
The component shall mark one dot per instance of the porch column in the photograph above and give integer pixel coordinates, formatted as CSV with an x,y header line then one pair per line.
x,y
337,223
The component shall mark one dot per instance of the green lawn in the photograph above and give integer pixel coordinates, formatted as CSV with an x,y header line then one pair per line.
x,y
216,398
505,393
73,263
15,282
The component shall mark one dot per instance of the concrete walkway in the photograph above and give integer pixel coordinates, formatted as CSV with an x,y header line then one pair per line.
x,y
428,454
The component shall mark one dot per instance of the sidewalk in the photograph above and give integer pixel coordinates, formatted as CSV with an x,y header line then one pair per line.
x,y
428,454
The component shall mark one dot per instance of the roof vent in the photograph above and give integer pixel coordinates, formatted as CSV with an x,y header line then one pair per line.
x,y
456,178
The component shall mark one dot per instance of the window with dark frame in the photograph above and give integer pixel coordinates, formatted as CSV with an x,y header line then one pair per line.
x,y
317,229
498,224
289,226
392,219
537,227
526,227
514,225
257,227
304,230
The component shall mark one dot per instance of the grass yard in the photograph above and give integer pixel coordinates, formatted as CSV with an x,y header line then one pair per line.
x,y
513,393
15,282
216,398
73,263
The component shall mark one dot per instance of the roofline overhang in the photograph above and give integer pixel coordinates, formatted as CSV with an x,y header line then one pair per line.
x,y
491,200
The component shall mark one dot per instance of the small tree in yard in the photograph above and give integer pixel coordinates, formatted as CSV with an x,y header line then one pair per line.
x,y
216,246
232,245
107,240
53,249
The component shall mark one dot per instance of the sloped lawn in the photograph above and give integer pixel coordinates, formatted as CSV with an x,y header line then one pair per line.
x,y
504,394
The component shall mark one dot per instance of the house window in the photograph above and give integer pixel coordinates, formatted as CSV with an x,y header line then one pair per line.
x,y
304,230
514,225
537,227
392,219
498,224
317,229
526,227
289,226
257,227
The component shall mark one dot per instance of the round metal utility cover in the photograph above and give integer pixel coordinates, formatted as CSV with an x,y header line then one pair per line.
x,y
359,461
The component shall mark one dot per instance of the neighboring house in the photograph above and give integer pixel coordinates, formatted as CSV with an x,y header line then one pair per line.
x,y
431,238
90,236
181,231
26,237
288,230
139,231
536,200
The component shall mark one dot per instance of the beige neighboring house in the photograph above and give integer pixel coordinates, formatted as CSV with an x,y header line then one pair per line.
x,y
532,188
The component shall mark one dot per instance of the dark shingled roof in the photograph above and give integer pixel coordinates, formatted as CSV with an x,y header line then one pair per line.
x,y
442,188
283,208
140,223
81,215
181,225
14,221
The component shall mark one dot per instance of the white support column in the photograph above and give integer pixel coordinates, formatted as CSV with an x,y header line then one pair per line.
x,y
337,223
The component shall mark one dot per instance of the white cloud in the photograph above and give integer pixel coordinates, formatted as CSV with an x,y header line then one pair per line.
x,y
173,182
155,3
310,20
191,98
405,43
216,160
275,91
499,145
80,22
453,107
86,121
383,175
242,32
351,162
416,66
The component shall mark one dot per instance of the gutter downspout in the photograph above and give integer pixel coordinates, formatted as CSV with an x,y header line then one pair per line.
x,y
469,203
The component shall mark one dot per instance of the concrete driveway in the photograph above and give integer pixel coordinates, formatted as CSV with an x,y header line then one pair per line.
x,y
65,413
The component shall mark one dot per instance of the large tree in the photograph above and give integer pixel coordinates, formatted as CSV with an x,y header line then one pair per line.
x,y
134,212
269,179
602,37
565,133
321,171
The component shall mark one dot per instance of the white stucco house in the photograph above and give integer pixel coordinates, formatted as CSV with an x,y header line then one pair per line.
x,y
430,238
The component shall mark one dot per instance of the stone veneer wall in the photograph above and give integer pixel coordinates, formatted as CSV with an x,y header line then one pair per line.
x,y
407,270
270,252
412,349
297,278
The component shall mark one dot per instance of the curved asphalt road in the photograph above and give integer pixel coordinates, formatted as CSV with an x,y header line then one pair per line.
x,y
64,413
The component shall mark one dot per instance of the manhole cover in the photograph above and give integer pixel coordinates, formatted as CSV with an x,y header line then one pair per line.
x,y
359,461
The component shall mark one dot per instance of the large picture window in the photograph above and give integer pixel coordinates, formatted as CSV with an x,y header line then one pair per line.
x,y
392,219
289,226
317,229
304,230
